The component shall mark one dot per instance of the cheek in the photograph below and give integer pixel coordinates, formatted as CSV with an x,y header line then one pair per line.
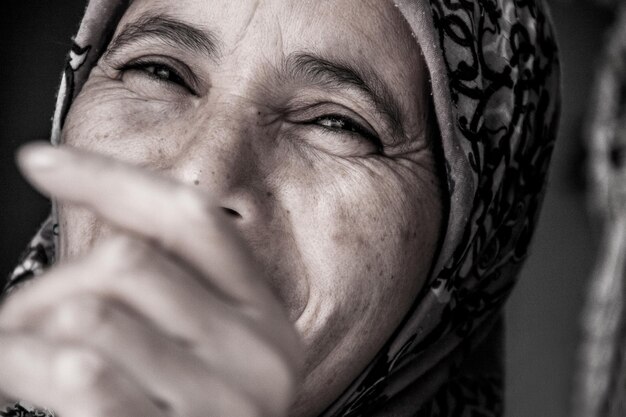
x,y
78,229
372,217
105,118
371,229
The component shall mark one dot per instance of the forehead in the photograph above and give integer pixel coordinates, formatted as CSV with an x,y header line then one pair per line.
x,y
301,22
371,34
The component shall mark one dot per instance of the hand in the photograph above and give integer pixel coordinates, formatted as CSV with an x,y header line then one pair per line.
x,y
168,318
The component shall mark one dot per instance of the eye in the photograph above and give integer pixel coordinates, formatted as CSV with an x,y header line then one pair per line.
x,y
159,72
345,125
164,73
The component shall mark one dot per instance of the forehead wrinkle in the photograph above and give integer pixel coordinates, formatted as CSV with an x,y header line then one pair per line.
x,y
173,32
336,75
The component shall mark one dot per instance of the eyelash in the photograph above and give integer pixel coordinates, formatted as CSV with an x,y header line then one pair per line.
x,y
151,70
349,127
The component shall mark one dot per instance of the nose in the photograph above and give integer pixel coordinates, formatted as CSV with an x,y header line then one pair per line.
x,y
223,151
233,151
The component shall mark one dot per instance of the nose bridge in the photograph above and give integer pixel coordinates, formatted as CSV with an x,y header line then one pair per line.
x,y
221,148
222,151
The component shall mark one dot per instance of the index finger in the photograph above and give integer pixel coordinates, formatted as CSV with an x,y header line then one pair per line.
x,y
181,219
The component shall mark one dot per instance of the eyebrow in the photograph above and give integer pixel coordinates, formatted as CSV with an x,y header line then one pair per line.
x,y
310,67
320,71
168,30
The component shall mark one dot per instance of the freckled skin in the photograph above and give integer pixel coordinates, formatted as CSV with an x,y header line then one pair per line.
x,y
345,240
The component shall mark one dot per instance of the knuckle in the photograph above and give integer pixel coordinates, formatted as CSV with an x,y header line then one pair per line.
x,y
100,405
117,246
126,252
83,316
77,368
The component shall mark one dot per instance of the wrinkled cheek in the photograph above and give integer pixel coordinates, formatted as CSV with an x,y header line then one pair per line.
x,y
380,254
367,268
103,120
366,281
97,126
78,231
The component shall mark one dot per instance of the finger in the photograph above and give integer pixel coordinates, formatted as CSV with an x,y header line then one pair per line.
x,y
189,383
180,218
75,382
143,277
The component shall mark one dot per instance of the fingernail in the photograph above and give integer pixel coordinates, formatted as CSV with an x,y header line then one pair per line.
x,y
38,157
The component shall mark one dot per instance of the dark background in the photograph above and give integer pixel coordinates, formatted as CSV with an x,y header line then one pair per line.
x,y
34,39
543,314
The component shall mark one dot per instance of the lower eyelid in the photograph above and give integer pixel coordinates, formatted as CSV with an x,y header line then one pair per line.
x,y
350,144
149,87
362,133
339,130
188,79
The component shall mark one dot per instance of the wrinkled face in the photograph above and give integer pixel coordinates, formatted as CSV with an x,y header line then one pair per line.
x,y
307,120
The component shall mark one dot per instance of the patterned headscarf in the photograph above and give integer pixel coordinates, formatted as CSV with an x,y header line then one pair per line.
x,y
494,75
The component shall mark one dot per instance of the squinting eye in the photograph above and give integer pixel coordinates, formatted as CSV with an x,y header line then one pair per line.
x,y
335,122
164,73
159,72
344,124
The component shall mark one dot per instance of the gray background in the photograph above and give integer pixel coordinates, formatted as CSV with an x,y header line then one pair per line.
x,y
542,316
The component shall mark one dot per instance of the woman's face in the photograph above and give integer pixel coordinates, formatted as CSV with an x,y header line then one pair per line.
x,y
307,120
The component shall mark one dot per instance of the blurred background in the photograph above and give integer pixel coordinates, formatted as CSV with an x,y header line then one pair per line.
x,y
543,313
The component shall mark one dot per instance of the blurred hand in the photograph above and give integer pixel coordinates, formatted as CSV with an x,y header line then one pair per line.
x,y
169,317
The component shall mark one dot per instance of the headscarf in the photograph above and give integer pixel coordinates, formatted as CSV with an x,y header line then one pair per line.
x,y
494,74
